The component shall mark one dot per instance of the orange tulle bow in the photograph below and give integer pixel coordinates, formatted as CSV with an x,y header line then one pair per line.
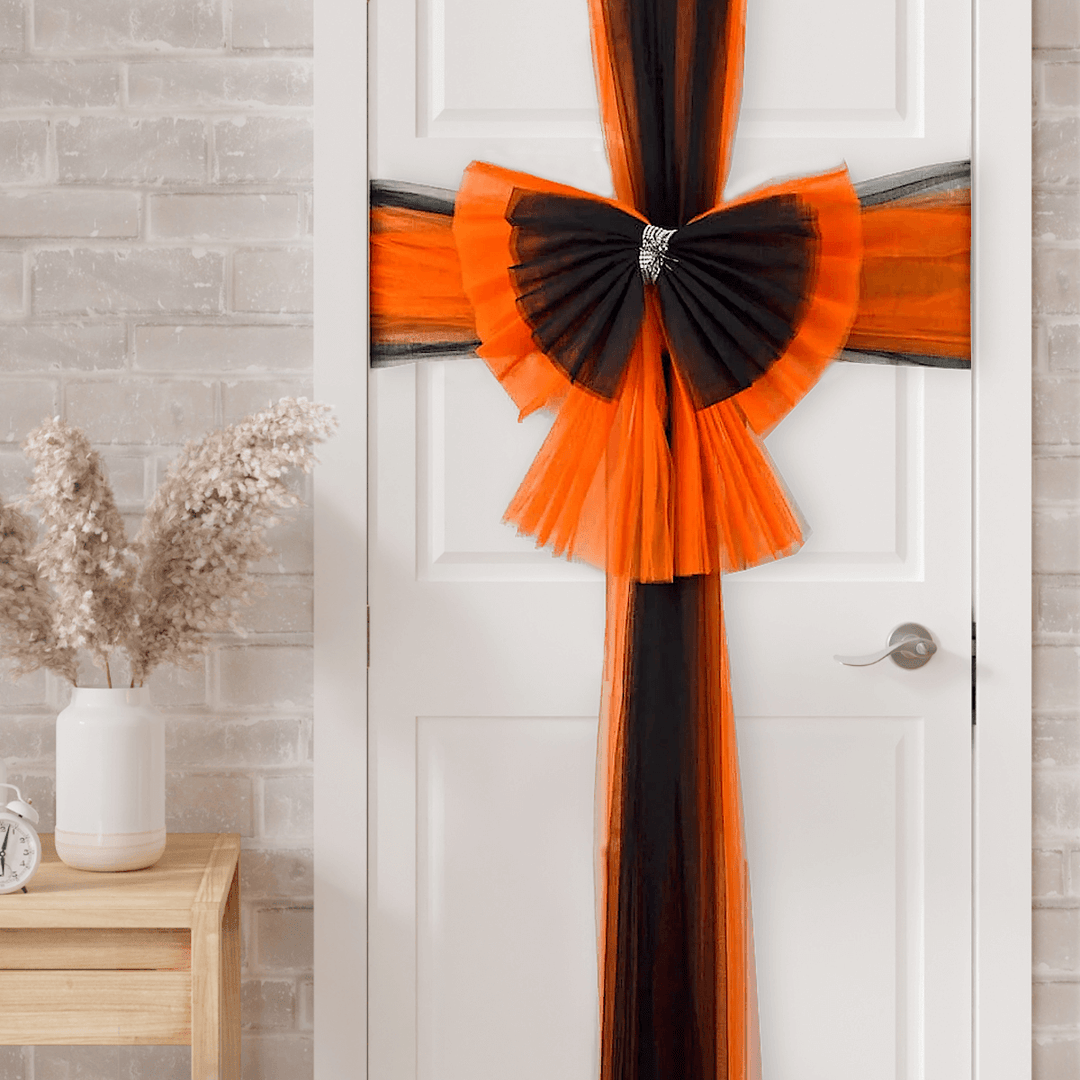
x,y
646,483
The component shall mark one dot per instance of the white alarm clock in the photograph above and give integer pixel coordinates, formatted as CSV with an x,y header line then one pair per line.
x,y
20,845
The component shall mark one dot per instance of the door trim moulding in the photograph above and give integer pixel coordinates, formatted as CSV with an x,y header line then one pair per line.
x,y
1001,295
340,687
1001,383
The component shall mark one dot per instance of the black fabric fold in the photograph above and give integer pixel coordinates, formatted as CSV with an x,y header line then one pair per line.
x,y
733,290
904,359
670,65
577,283
394,353
738,286
432,200
911,183
669,957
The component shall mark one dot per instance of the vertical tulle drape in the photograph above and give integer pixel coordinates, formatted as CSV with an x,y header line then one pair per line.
x,y
676,944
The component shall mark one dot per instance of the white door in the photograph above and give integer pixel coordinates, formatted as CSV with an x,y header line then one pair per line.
x,y
485,654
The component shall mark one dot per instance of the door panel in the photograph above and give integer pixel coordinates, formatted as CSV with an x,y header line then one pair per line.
x,y
464,488
497,887
851,808
486,654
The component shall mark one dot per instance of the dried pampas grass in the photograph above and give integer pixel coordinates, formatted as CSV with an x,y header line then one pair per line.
x,y
161,597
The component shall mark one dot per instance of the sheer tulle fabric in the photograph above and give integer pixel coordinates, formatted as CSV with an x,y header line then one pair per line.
x,y
417,300
732,285
669,80
914,288
916,277
676,938
654,466
645,484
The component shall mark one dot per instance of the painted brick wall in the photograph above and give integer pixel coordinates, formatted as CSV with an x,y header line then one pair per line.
x,y
155,282
1056,865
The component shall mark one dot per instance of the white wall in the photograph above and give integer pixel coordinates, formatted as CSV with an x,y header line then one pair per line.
x,y
155,282
1057,539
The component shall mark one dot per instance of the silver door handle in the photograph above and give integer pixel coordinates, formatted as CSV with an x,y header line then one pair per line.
x,y
910,646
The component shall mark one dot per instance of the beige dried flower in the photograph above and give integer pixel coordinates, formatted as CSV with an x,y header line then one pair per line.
x,y
163,597
27,634
204,530
83,552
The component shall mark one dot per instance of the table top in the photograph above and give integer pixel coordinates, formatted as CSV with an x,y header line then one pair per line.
x,y
194,873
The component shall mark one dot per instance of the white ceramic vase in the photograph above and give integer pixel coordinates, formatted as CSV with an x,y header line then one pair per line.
x,y
110,780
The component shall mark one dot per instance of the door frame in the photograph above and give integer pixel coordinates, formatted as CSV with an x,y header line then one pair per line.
x,y
1001,300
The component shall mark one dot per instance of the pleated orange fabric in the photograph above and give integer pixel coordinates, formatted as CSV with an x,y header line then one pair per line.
x,y
612,485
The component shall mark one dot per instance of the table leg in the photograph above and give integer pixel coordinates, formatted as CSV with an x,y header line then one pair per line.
x,y
230,1005
215,989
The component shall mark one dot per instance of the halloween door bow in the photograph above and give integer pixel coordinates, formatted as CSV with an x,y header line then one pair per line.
x,y
730,287
669,329
651,469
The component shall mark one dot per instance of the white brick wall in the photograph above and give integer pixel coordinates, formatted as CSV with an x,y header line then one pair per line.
x,y
155,281
1056,825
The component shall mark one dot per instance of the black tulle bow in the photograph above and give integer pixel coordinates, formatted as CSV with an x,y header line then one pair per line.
x,y
732,284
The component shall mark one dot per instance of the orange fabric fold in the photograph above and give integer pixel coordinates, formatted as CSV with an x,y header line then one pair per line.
x,y
915,291
608,486
833,303
482,235
415,279
610,753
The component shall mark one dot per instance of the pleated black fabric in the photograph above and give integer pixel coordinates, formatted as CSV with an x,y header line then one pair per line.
x,y
577,283
732,290
671,68
736,291
668,953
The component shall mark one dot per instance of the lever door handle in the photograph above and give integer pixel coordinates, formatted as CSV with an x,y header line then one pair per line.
x,y
910,646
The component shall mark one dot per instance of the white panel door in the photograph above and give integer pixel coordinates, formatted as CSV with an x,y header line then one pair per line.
x,y
486,654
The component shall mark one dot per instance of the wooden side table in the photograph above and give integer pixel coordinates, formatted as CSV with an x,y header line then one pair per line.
x,y
144,957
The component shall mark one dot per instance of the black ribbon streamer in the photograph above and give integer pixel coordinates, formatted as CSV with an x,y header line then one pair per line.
x,y
733,288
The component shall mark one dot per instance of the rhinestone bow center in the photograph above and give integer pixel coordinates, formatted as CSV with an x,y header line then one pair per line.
x,y
653,256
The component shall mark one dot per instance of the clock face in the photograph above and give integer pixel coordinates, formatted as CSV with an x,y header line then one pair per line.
x,y
20,852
